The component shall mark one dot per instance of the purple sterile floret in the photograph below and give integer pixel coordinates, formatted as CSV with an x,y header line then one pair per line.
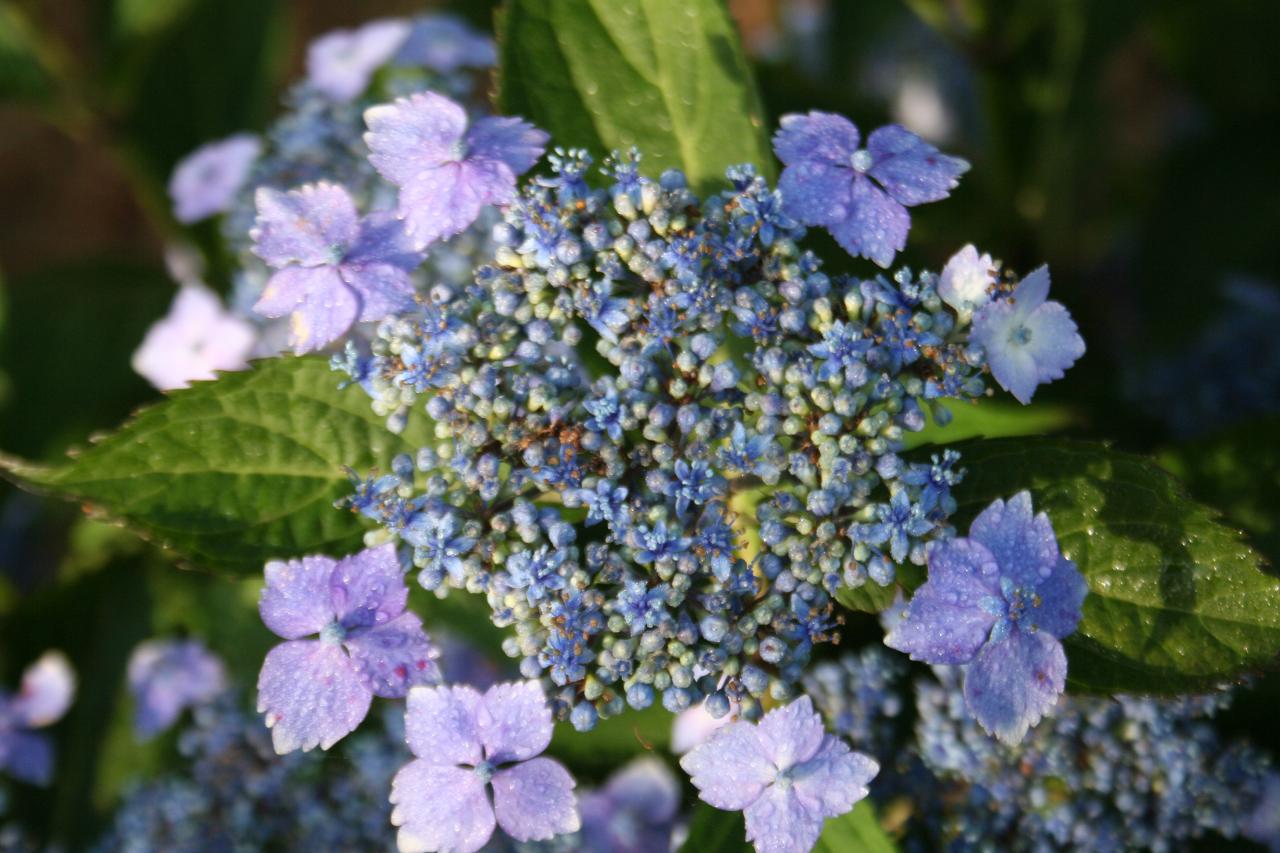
x,y
168,676
860,195
998,603
316,691
206,181
465,742
1028,341
196,339
447,167
446,43
966,281
786,774
341,63
48,686
333,268
634,812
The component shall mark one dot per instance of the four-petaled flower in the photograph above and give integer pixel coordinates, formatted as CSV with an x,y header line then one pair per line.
x,y
447,168
786,774
341,63
1028,341
332,267
965,282
48,686
206,181
315,692
197,338
168,676
860,195
464,743
999,601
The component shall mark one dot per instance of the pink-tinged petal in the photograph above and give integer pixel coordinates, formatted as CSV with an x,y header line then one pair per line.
x,y
27,757
816,193
367,588
965,282
439,203
311,695
1059,602
817,137
206,181
830,783
413,135
512,141
778,822
1022,543
384,289
440,809
731,769
791,734
48,686
534,800
695,725
1013,683
341,63
876,227
515,723
440,725
945,622
197,338
393,657
295,602
311,226
910,169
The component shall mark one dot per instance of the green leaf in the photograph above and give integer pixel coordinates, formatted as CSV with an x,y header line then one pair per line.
x,y
858,831
992,419
237,471
712,829
873,598
1177,602
23,76
665,75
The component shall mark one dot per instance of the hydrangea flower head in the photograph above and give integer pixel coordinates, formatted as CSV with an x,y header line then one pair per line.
x,y
168,676
1028,341
197,338
786,774
446,43
447,166
316,691
860,195
332,267
966,281
341,63
206,181
467,743
634,812
1000,602
48,686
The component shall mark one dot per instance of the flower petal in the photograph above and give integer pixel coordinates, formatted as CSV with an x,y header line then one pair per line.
x,y
321,305
367,588
304,226
295,602
440,202
1023,544
440,808
534,800
830,783
1012,684
815,138
910,169
791,734
341,63
440,724
512,141
945,622
515,722
384,289
1061,597
413,134
395,656
1055,342
311,695
816,193
731,769
778,822
27,757
876,226
48,686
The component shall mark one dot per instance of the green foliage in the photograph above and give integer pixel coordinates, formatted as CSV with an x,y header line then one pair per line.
x,y
713,829
1178,601
22,74
665,75
234,472
858,831
991,419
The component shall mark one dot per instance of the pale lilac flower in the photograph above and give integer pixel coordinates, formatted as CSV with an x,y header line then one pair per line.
x,y
695,725
785,774
998,603
446,43
860,195
966,281
168,676
465,743
315,692
341,63
333,268
48,686
1028,341
206,180
447,168
634,812
196,339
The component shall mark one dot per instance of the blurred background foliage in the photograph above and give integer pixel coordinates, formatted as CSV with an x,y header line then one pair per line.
x,y
1130,145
